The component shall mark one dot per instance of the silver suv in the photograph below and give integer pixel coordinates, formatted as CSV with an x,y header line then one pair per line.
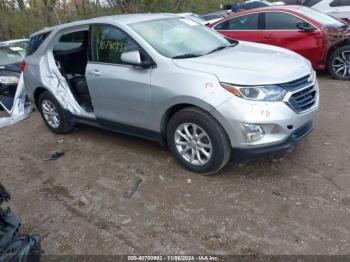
x,y
169,79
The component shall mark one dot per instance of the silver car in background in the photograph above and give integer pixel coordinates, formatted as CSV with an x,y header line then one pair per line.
x,y
171,80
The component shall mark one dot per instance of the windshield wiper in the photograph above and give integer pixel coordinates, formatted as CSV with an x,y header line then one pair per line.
x,y
220,48
186,56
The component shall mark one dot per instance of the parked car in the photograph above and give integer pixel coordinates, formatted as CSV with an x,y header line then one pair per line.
x,y
322,39
336,8
171,80
194,17
249,4
11,55
213,16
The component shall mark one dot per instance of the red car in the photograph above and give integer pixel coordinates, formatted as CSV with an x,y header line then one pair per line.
x,y
322,39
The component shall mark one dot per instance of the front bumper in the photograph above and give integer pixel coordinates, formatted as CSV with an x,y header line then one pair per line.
x,y
278,120
243,155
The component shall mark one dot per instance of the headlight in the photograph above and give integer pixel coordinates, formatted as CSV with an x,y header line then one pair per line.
x,y
9,80
259,93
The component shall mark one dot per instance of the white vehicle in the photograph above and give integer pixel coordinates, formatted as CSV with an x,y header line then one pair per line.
x,y
337,8
194,17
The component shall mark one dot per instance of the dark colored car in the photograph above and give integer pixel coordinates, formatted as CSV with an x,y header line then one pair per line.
x,y
12,54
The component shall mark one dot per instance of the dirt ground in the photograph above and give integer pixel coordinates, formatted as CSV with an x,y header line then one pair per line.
x,y
296,204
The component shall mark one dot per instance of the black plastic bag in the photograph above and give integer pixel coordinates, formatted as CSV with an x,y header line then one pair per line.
x,y
15,247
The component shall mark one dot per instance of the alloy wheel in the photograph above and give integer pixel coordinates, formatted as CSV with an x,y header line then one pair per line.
x,y
50,113
193,144
341,64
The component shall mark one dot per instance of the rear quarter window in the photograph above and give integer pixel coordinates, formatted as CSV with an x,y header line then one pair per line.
x,y
35,42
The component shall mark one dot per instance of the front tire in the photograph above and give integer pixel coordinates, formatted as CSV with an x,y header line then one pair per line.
x,y
339,63
53,114
198,141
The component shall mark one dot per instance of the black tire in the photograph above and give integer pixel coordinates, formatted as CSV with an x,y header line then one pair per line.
x,y
221,149
333,60
65,125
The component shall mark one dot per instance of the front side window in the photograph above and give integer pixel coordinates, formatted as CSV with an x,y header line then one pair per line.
x,y
282,21
179,37
244,22
108,43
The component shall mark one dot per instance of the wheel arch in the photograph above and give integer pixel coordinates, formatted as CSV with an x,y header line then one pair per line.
x,y
335,47
172,110
38,91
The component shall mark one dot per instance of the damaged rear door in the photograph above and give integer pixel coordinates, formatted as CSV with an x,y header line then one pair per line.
x,y
120,93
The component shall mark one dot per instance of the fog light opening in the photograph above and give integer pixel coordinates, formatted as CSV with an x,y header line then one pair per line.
x,y
252,132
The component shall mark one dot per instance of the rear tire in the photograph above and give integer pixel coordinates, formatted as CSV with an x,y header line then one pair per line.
x,y
53,114
339,63
198,141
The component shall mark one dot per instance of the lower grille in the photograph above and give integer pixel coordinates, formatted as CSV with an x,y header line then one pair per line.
x,y
303,100
302,131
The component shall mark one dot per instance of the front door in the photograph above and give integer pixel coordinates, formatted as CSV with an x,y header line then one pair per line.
x,y
120,93
281,30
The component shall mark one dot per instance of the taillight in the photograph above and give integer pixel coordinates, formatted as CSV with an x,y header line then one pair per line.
x,y
23,65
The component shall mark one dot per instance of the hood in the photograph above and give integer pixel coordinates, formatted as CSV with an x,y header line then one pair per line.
x,y
250,64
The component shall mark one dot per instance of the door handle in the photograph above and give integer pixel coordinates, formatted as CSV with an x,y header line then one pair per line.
x,y
95,72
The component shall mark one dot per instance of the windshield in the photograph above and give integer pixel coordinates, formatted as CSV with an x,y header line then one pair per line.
x,y
180,38
319,17
11,55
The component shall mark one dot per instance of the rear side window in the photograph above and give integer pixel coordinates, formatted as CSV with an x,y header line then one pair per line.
x,y
35,42
282,21
72,41
244,22
108,43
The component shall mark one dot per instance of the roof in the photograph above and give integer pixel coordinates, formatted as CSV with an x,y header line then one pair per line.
x,y
120,19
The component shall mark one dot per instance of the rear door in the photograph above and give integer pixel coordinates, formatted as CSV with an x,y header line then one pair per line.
x,y
244,27
281,30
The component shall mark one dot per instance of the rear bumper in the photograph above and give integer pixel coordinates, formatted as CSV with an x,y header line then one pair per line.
x,y
243,155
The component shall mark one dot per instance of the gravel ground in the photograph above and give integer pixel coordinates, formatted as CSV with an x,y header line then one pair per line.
x,y
298,203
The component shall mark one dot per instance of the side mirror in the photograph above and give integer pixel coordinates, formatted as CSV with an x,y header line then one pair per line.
x,y
132,58
304,26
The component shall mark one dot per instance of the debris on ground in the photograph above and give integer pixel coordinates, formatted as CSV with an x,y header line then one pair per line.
x,y
133,189
13,245
56,155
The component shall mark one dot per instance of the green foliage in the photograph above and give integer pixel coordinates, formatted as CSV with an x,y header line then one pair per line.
x,y
19,22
